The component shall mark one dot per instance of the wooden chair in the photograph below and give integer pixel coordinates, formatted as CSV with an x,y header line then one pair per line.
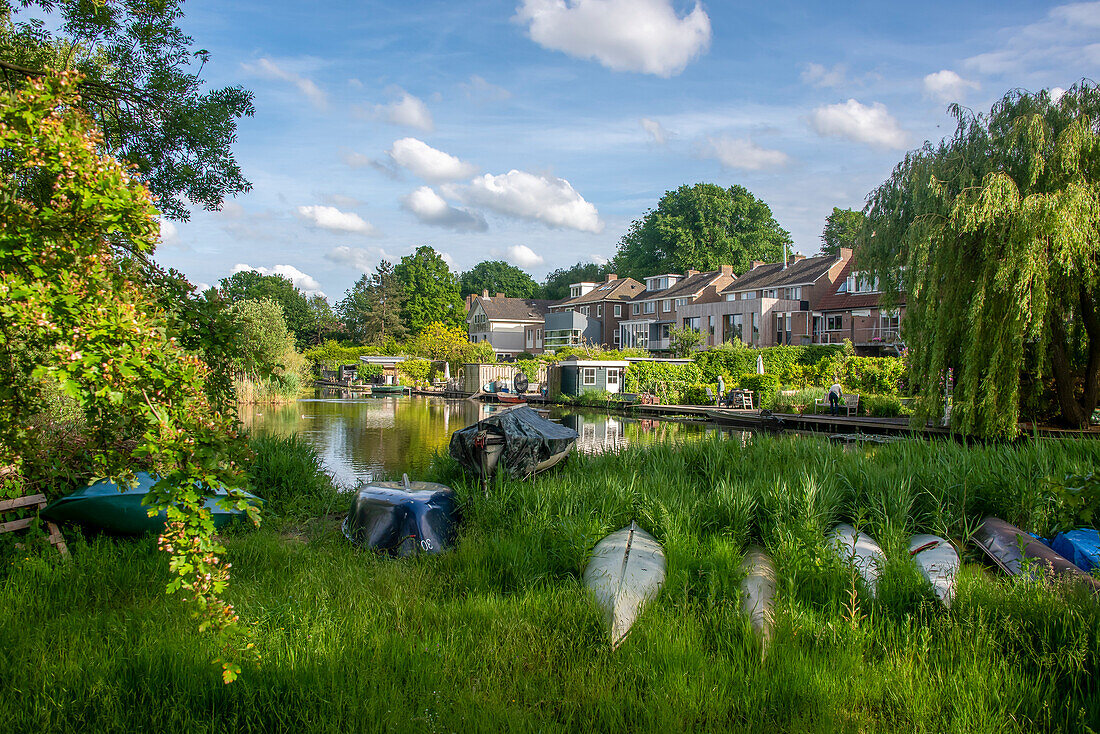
x,y
37,502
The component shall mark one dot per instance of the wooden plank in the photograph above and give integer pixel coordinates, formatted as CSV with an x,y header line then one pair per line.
x,y
58,539
27,501
7,527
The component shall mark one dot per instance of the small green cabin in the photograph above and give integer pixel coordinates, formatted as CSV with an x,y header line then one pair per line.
x,y
574,376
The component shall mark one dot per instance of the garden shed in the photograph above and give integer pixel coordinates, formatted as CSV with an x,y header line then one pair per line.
x,y
575,376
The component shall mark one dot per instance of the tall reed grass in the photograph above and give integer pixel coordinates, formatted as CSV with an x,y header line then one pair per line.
x,y
499,635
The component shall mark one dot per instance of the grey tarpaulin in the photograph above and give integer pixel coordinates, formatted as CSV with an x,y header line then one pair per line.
x,y
529,441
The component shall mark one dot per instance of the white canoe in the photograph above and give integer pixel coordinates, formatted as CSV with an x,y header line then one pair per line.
x,y
859,550
758,591
626,570
938,562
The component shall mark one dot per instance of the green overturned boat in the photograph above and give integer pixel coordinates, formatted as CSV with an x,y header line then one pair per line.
x,y
102,505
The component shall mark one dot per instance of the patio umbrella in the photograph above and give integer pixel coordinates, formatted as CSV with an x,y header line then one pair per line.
x,y
760,364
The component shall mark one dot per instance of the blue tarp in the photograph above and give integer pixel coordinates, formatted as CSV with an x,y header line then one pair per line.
x,y
1080,546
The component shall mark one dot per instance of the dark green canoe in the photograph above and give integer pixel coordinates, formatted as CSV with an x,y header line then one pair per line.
x,y
102,505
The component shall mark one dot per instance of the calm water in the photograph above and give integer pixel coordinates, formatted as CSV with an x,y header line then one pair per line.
x,y
362,438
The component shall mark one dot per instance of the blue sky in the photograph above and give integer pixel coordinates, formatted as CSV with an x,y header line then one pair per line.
x,y
535,131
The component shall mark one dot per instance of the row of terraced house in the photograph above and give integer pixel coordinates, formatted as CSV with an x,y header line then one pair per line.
x,y
807,300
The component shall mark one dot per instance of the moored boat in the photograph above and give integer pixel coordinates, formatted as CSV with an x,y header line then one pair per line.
x,y
403,518
1012,550
626,570
518,436
758,592
938,562
388,389
102,505
860,551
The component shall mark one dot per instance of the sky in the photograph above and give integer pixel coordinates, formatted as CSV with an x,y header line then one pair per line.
x,y
536,131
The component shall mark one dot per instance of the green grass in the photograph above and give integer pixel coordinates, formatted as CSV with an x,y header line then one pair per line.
x,y
498,635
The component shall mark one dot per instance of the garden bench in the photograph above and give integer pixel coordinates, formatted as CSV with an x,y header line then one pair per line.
x,y
849,405
35,503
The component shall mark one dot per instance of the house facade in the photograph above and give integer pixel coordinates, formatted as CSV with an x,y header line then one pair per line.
x,y
656,310
591,314
771,304
854,310
510,325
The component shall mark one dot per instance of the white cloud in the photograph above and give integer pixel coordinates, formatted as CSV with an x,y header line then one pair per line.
x,y
523,256
359,258
430,208
268,69
334,220
342,201
408,111
744,154
306,283
851,120
820,76
428,163
483,91
947,86
1056,94
656,132
624,35
353,159
200,287
1065,38
547,199
169,234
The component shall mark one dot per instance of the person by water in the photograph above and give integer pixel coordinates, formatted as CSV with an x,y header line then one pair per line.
x,y
721,391
835,394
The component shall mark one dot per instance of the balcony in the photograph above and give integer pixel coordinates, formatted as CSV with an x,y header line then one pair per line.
x,y
862,337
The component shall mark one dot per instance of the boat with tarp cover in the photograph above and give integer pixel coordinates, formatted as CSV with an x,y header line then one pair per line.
x,y
520,438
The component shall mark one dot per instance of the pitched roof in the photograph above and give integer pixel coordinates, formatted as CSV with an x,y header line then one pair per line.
x,y
771,275
688,286
620,289
838,301
513,309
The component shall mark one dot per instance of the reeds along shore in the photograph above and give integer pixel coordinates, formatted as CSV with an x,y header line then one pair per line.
x,y
499,634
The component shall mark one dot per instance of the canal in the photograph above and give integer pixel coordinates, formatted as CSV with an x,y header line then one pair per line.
x,y
365,438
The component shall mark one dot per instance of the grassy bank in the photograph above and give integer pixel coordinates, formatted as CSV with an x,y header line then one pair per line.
x,y
498,635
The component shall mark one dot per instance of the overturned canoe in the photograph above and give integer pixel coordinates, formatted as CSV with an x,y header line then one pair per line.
x,y
403,518
859,550
520,438
626,570
1010,548
758,591
102,505
938,562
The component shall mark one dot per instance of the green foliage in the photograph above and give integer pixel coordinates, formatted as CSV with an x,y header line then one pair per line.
x,y
431,291
322,319
443,343
730,360
480,353
76,312
288,474
249,285
664,379
371,309
418,370
497,276
766,386
842,229
331,354
881,406
556,285
701,227
997,234
1074,503
265,345
882,375
143,90
682,341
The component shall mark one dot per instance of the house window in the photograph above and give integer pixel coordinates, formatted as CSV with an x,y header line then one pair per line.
x,y
650,307
612,380
668,305
681,302
588,376
747,295
860,282
737,326
618,310
770,293
599,311
584,310
538,334
615,338
755,328
693,323
666,329
834,323
731,296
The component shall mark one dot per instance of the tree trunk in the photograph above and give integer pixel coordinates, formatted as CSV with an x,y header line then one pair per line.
x,y
1073,412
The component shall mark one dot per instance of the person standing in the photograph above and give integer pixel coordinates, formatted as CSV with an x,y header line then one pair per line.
x,y
721,391
835,395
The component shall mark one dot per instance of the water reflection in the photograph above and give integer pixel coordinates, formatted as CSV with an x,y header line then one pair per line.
x,y
362,438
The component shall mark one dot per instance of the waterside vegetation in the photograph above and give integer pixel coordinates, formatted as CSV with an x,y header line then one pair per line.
x,y
499,634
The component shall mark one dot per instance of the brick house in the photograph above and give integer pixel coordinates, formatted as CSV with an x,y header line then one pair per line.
x,y
591,314
657,309
510,325
771,304
854,311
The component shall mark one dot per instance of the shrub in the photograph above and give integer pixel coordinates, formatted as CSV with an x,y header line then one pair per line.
x,y
696,394
289,476
765,386
881,406
417,370
791,401
645,376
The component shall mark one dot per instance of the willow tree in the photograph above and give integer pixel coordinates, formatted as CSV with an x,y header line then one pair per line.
x,y
994,236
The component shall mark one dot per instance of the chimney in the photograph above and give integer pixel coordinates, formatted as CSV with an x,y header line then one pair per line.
x,y
485,293
845,253
797,256
610,277
692,272
756,264
725,269
500,295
